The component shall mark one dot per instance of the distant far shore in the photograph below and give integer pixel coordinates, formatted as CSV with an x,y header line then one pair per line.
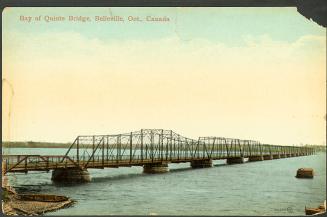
x,y
35,145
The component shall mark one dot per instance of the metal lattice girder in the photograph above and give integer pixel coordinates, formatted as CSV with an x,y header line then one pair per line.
x,y
166,145
146,146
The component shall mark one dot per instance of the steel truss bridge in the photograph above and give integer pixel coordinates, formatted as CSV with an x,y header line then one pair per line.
x,y
148,147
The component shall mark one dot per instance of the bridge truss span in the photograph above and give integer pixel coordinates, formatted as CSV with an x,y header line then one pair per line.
x,y
150,147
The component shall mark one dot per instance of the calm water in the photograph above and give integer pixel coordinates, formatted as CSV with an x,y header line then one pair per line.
x,y
258,188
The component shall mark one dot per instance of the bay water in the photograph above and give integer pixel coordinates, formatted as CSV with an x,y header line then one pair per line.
x,y
257,188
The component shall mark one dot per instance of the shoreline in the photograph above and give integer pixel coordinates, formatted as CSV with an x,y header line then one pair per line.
x,y
32,204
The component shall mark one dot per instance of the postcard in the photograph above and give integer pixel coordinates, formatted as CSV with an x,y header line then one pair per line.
x,y
177,111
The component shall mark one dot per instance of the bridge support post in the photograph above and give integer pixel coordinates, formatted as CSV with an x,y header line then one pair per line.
x,y
70,175
276,156
155,168
255,158
201,163
235,160
267,157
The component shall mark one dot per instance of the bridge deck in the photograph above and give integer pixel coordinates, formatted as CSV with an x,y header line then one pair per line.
x,y
25,163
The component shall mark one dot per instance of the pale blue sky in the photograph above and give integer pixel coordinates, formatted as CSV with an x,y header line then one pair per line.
x,y
225,25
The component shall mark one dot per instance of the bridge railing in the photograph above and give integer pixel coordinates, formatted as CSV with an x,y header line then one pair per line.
x,y
23,163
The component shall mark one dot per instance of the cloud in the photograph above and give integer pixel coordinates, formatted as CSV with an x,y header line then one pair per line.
x,y
199,86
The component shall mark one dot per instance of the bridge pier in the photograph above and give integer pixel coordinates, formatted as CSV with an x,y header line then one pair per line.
x,y
267,157
155,168
255,158
235,160
276,156
70,175
201,163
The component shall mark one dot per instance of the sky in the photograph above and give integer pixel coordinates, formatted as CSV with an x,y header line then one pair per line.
x,y
248,73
